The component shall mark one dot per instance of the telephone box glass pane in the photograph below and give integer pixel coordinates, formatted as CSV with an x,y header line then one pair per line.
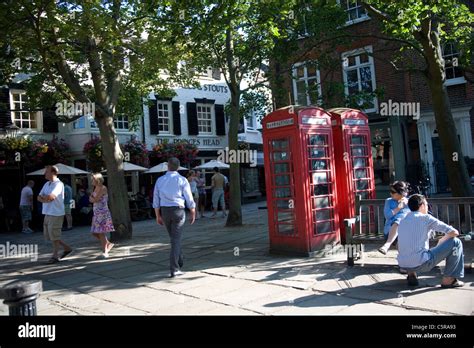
x,y
323,227
319,139
359,151
282,180
281,168
362,185
320,190
317,152
360,162
318,165
320,178
360,173
321,202
283,203
285,216
324,214
358,139
364,194
279,144
280,156
282,192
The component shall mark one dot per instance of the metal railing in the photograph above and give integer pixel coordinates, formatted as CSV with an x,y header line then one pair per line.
x,y
368,224
455,211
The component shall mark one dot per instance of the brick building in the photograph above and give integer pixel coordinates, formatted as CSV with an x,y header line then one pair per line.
x,y
404,147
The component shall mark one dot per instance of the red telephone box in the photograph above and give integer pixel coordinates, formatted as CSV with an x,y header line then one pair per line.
x,y
300,180
354,164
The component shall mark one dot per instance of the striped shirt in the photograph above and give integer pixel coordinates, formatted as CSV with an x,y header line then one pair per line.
x,y
413,238
172,190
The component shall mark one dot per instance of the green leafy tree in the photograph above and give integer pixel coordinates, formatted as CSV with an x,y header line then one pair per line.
x,y
236,37
422,27
109,54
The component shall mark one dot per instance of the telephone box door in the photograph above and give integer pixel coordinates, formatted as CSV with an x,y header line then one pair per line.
x,y
324,225
358,143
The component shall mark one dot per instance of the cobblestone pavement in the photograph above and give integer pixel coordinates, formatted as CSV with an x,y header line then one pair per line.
x,y
228,271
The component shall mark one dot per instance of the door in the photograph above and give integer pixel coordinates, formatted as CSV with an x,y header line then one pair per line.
x,y
361,170
282,180
362,177
439,167
324,227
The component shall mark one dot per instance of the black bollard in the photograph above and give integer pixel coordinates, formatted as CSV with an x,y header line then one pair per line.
x,y
20,297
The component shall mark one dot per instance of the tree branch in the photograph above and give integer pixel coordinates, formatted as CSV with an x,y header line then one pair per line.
x,y
382,16
114,81
415,70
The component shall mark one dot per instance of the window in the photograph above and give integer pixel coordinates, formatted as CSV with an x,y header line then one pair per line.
x,y
164,122
121,123
306,84
251,121
454,74
204,116
80,123
359,74
21,116
355,11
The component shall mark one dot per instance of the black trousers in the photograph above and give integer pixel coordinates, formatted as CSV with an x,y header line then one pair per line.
x,y
174,219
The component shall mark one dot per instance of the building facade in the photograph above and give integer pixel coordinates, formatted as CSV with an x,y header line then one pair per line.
x,y
193,115
404,146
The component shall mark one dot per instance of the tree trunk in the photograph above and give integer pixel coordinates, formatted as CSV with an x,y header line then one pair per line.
x,y
235,204
117,188
458,176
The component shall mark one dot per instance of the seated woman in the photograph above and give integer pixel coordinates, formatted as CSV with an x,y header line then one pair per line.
x,y
395,210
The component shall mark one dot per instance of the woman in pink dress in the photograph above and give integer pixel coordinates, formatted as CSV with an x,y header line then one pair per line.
x,y
102,220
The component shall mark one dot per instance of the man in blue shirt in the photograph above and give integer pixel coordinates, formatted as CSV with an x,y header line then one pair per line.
x,y
413,245
172,193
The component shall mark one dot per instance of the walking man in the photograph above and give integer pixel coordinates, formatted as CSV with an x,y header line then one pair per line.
x,y
413,245
217,184
26,206
52,197
172,193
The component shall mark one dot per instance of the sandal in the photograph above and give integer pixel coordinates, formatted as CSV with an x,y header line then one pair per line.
x,y
102,256
382,250
65,253
53,260
110,246
455,284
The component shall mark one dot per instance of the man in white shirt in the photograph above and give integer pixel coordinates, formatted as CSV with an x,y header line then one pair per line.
x,y
414,253
52,197
172,193
26,206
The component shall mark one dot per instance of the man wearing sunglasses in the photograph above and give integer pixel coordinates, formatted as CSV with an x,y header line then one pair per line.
x,y
413,245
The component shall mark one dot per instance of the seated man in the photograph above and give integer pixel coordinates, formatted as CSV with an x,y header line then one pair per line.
x,y
413,245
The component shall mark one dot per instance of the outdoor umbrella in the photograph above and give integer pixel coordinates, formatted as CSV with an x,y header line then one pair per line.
x,y
160,168
130,167
63,170
212,164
